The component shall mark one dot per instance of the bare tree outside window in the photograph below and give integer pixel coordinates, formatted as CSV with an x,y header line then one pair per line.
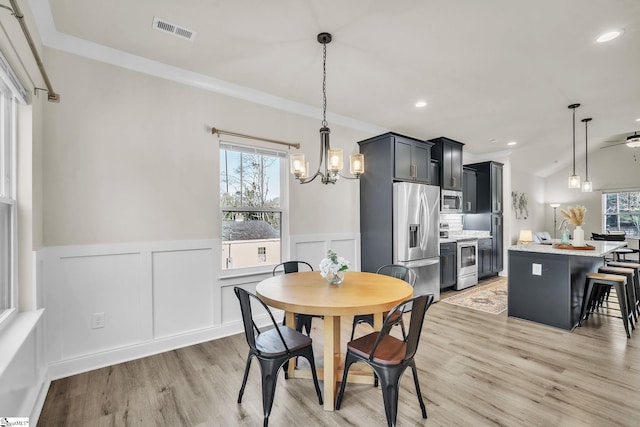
x,y
250,185
622,212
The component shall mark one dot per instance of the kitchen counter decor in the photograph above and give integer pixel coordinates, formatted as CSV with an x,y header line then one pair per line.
x,y
575,215
586,247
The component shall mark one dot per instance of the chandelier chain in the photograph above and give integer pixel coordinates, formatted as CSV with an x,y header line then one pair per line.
x,y
324,85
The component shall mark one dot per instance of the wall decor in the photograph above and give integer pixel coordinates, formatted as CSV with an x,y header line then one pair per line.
x,y
519,201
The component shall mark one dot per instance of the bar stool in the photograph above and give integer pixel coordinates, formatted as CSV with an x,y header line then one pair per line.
x,y
621,253
636,282
619,283
629,273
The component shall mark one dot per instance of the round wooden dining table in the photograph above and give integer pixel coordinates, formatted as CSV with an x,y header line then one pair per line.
x,y
310,293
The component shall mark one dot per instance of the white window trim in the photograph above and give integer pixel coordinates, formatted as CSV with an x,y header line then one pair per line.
x,y
15,94
603,215
259,148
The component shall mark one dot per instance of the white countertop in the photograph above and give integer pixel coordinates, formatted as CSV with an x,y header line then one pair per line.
x,y
454,236
602,247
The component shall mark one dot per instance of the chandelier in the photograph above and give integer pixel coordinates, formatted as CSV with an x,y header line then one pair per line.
x,y
331,157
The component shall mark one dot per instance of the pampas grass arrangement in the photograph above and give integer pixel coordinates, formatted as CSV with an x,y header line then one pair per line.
x,y
574,214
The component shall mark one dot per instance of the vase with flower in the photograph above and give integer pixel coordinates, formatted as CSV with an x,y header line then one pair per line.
x,y
575,215
333,268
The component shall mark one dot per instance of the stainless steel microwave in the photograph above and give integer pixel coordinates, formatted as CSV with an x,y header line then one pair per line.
x,y
450,201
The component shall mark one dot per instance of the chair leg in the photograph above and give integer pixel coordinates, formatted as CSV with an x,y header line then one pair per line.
x,y
244,380
269,380
348,362
622,300
309,356
415,380
390,379
588,288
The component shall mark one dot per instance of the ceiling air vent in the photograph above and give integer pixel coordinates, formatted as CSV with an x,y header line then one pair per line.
x,y
176,30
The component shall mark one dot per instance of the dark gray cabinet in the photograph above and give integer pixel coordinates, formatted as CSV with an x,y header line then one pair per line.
x,y
498,242
489,197
485,258
434,172
388,158
449,153
489,207
448,264
412,159
468,190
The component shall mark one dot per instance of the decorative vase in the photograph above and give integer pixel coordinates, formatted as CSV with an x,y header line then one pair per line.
x,y
337,278
578,236
565,236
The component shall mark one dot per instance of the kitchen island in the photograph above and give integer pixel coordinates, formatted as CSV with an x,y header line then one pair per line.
x,y
546,283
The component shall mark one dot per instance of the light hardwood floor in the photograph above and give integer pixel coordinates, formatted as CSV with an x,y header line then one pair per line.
x,y
475,369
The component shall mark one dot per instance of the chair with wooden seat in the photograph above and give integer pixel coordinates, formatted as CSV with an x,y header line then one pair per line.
x,y
273,348
303,321
389,357
636,279
629,273
593,282
394,270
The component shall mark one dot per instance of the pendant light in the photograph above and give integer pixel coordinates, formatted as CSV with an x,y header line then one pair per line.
x,y
574,180
332,157
587,186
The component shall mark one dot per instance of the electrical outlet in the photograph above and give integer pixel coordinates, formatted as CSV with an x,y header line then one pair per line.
x,y
97,320
536,269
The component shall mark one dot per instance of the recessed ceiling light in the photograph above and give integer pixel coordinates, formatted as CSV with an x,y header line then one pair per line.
x,y
511,143
421,104
638,119
608,36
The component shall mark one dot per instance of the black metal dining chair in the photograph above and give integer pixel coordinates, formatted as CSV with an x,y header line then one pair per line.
x,y
273,348
389,357
394,270
303,321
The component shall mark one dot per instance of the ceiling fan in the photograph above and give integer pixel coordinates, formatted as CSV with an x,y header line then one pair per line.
x,y
632,141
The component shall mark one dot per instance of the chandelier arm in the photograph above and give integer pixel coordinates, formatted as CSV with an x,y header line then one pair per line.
x,y
347,177
310,179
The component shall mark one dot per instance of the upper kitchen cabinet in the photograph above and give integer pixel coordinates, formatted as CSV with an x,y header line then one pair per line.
x,y
449,153
410,158
488,187
469,204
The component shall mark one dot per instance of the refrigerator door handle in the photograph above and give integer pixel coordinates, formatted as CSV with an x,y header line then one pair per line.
x,y
424,222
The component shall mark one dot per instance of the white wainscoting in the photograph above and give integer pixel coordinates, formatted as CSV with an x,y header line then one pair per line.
x,y
23,379
155,296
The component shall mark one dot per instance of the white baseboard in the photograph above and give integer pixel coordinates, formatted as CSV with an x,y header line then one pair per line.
x,y
103,359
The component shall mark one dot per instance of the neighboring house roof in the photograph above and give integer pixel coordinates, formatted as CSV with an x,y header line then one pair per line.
x,y
248,230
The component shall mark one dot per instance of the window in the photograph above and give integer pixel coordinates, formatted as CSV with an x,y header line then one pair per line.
x,y
10,93
262,254
622,212
252,204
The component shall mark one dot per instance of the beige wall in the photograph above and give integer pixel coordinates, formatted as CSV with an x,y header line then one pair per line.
x,y
130,157
614,168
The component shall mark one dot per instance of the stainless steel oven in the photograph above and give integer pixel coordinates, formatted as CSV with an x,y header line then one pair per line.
x,y
467,252
450,201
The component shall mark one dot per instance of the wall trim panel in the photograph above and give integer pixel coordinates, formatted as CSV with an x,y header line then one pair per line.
x,y
71,273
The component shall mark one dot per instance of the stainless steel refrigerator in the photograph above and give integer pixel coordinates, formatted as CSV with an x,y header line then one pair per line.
x,y
416,217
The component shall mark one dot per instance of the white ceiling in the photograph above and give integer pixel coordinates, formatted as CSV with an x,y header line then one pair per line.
x,y
491,71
